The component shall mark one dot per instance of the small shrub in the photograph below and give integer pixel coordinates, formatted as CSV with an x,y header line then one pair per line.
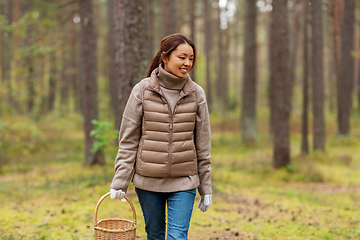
x,y
103,134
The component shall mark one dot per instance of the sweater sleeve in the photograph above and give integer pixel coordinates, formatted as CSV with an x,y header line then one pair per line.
x,y
203,144
129,137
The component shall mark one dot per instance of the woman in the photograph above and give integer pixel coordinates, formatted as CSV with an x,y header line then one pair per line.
x,y
164,142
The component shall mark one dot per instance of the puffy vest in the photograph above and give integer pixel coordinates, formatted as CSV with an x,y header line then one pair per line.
x,y
167,147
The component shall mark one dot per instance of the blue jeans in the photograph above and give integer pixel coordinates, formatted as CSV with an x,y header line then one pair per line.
x,y
179,208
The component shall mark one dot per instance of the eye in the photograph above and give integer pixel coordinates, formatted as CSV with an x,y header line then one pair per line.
x,y
182,58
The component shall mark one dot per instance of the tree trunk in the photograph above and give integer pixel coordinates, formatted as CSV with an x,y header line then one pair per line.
x,y
169,16
64,90
150,30
271,82
336,9
192,29
2,60
345,82
248,110
16,44
16,17
207,44
330,77
74,76
358,80
89,78
3,42
226,61
65,64
52,82
280,83
221,81
7,51
130,50
317,76
29,62
113,91
305,92
294,40
42,88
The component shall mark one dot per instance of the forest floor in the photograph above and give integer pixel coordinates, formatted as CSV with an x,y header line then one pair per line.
x,y
46,192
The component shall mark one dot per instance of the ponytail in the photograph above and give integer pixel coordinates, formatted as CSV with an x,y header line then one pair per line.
x,y
154,63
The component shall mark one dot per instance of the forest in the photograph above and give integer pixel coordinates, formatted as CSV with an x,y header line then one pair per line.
x,y
282,81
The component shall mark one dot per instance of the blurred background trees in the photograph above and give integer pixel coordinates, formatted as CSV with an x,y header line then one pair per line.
x,y
279,82
266,57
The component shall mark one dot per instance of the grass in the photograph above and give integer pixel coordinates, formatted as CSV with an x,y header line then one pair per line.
x,y
46,192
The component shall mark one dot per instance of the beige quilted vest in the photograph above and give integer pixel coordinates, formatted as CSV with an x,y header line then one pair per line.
x,y
166,147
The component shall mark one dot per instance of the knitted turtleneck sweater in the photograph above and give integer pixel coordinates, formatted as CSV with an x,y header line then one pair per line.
x,y
170,86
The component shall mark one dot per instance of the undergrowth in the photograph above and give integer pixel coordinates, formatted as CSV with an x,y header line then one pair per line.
x,y
47,193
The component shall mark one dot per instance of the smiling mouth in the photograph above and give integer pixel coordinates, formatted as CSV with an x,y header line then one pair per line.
x,y
183,70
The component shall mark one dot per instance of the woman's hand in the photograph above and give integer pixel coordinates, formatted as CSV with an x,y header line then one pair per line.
x,y
204,202
118,194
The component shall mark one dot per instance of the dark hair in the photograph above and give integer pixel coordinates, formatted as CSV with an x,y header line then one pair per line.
x,y
167,45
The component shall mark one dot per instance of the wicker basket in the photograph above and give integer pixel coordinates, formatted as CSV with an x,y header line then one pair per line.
x,y
114,228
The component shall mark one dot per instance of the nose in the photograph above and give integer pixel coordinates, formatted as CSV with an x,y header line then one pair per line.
x,y
187,62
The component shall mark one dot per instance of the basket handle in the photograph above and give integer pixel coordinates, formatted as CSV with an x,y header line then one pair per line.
x,y
106,195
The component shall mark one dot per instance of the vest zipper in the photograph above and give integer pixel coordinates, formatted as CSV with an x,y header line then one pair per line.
x,y
170,134
171,126
170,143
171,123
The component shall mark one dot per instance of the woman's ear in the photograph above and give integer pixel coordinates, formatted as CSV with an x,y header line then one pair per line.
x,y
163,57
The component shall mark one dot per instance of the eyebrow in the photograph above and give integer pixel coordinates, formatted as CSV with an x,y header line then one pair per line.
x,y
186,54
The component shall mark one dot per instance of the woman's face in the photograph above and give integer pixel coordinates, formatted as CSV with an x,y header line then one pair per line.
x,y
180,60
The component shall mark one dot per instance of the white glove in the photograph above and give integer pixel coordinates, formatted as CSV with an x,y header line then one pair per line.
x,y
204,202
119,194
